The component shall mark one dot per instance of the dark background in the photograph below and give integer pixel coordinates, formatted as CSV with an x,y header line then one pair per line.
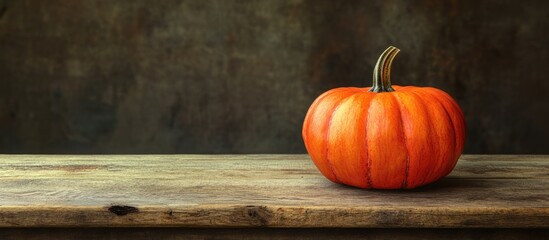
x,y
238,76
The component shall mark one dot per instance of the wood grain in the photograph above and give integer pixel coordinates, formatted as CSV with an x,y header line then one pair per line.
x,y
260,190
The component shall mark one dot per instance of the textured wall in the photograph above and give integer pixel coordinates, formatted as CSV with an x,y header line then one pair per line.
x,y
238,76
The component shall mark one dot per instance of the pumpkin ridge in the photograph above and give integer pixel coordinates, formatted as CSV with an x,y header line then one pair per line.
x,y
406,144
327,137
318,118
313,108
368,160
446,172
421,102
445,96
440,99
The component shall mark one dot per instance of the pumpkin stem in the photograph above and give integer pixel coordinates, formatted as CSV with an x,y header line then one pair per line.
x,y
382,71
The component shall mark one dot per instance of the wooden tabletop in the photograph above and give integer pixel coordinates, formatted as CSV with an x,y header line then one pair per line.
x,y
501,191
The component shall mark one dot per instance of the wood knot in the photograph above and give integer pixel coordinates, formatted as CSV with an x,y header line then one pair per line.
x,y
122,210
258,215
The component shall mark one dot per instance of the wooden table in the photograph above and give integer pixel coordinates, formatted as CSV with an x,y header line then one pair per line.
x,y
196,196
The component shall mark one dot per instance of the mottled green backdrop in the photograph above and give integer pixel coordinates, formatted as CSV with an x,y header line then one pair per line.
x,y
238,76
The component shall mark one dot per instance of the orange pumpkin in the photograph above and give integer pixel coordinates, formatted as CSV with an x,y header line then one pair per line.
x,y
384,137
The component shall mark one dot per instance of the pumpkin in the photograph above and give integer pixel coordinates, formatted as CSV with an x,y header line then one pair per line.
x,y
385,136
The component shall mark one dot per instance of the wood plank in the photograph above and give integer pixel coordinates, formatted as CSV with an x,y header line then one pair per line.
x,y
260,190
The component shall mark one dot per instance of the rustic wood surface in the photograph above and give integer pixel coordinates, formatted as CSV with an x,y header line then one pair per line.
x,y
260,190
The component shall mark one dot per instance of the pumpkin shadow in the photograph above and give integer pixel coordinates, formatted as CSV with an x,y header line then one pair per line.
x,y
453,183
444,185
